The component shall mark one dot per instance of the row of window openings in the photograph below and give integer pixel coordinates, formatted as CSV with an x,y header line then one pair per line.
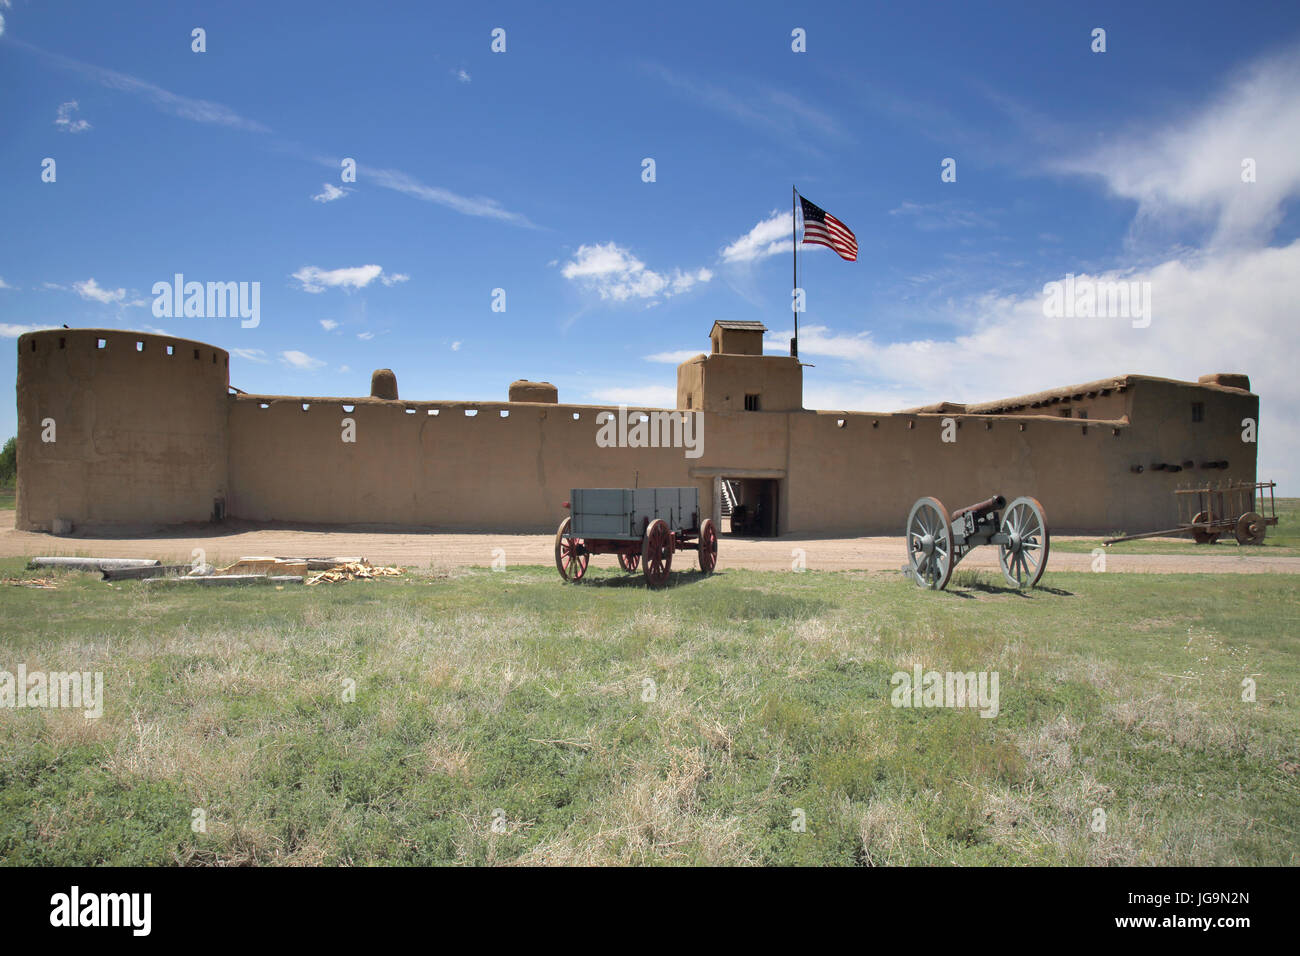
x,y
469,412
139,347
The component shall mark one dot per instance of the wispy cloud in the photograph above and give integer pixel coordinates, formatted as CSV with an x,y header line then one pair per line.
x,y
673,358
329,325
365,336
470,206
461,75
90,290
768,238
776,112
300,360
615,274
186,107
251,355
1190,169
66,122
329,192
13,331
314,279
934,216
3,284
641,396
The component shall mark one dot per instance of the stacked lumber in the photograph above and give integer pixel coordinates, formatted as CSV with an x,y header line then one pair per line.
x,y
353,571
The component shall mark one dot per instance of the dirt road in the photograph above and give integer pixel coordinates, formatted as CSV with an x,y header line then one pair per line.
x,y
414,549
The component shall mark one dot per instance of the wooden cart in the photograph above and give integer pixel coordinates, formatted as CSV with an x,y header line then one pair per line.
x,y
642,526
1235,507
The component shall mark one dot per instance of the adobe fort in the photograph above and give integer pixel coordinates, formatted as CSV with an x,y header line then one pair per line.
x,y
129,430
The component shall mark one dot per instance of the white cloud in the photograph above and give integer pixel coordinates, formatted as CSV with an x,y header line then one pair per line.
x,y
644,396
65,121
395,278
673,358
344,368
1245,298
329,325
461,75
13,331
251,355
329,192
466,205
365,336
199,111
616,274
3,284
90,291
455,346
300,360
2,25
1190,170
314,279
767,238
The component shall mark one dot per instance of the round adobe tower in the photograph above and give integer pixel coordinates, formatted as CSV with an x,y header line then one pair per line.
x,y
119,429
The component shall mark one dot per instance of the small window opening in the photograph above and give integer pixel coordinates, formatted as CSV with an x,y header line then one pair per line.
x,y
1198,411
751,403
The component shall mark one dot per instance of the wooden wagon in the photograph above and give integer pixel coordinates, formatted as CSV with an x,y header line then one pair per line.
x,y
1207,512
643,527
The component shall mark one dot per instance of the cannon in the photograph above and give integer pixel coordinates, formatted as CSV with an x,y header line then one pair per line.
x,y
937,540
642,526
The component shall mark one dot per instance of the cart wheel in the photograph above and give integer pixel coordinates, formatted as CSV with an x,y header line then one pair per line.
x,y
629,562
1250,528
929,544
1024,557
570,556
708,546
657,553
1200,535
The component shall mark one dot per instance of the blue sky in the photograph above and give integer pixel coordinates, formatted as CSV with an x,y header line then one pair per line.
x,y
522,171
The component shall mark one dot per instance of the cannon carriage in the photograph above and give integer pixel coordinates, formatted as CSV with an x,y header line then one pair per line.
x,y
643,527
937,540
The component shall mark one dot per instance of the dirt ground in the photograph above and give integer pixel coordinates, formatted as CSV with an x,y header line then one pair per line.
x,y
224,545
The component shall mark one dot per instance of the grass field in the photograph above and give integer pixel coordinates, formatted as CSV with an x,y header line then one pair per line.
x,y
509,718
6,499
1282,539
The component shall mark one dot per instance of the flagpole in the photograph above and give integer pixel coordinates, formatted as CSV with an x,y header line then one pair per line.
x,y
794,255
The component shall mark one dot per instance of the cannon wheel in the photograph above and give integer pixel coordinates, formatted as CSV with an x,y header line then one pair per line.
x,y
929,544
569,556
629,562
1250,528
657,553
1024,557
708,546
1200,535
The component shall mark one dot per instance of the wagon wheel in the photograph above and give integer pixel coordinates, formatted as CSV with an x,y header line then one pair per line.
x,y
929,544
629,562
1024,556
1200,535
657,553
708,546
570,556
1250,528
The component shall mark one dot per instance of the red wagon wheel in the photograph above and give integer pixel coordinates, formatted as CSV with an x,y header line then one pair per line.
x,y
657,553
570,556
629,562
708,546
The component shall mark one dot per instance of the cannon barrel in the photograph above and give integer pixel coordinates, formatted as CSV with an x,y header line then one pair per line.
x,y
977,509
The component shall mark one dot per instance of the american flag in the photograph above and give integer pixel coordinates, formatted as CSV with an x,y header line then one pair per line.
x,y
820,228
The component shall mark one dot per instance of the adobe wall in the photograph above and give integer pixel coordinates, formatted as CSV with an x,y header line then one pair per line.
x,y
144,437
408,466
140,434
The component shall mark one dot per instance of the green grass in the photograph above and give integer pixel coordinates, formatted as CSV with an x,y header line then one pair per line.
x,y
1283,539
513,692
7,499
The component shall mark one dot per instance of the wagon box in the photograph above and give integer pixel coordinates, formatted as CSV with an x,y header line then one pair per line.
x,y
642,526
